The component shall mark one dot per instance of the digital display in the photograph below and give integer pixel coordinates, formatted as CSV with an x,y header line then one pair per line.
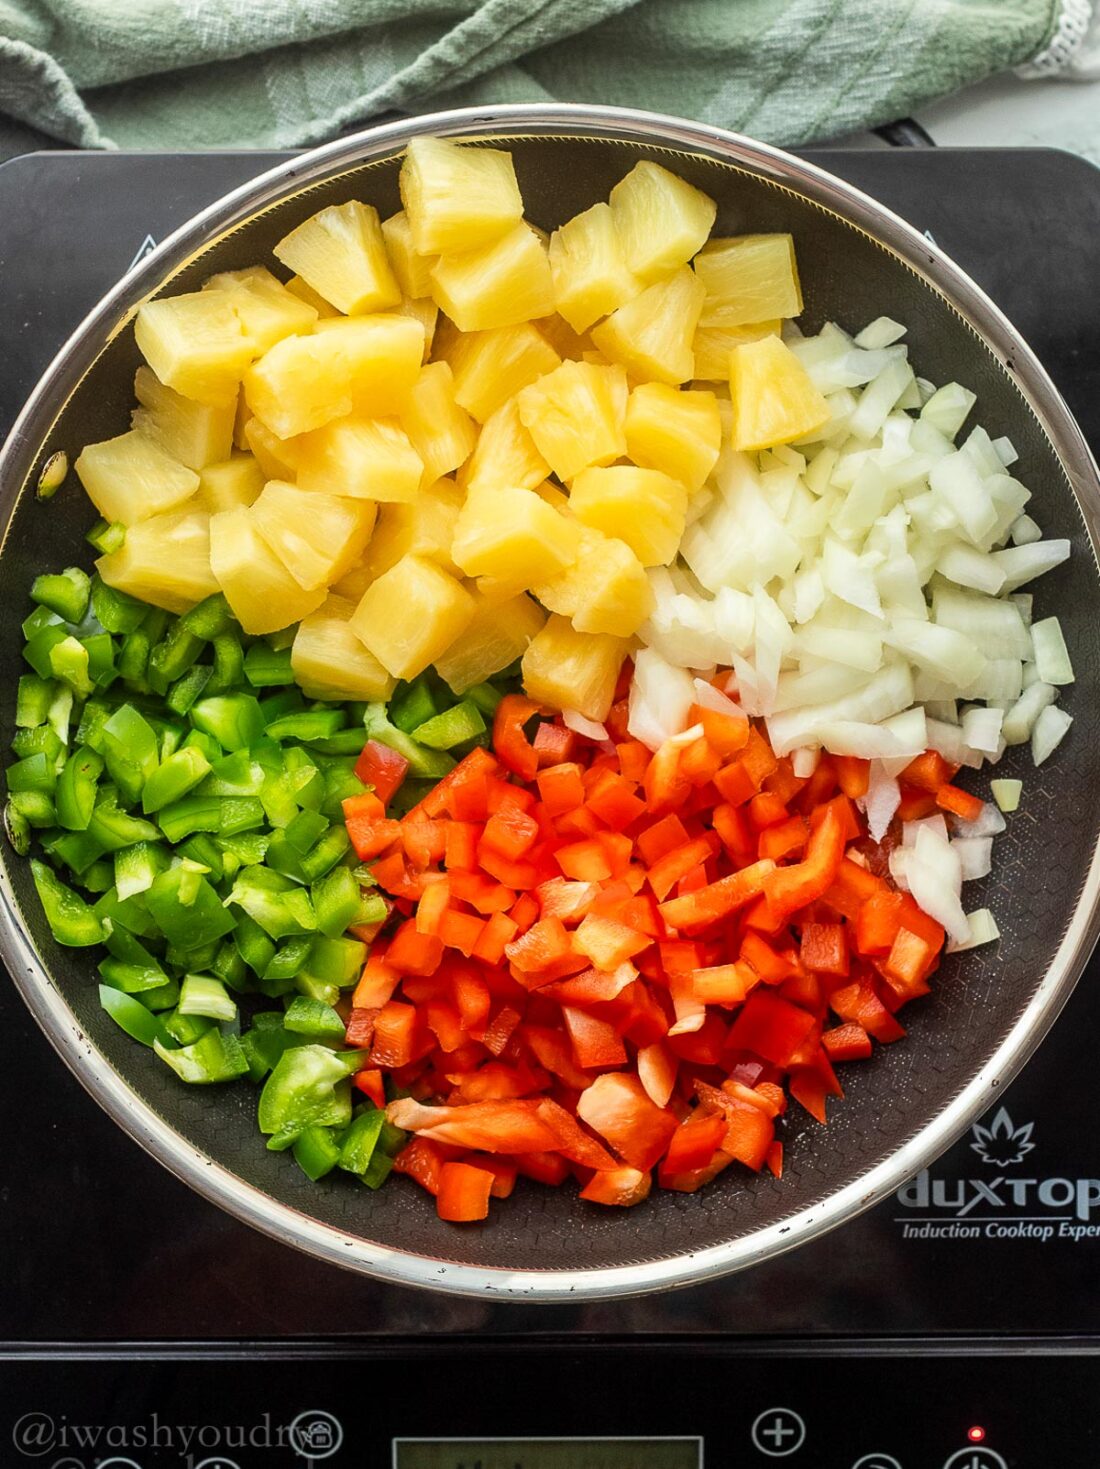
x,y
548,1453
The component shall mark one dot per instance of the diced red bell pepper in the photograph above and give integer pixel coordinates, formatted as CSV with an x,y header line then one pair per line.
x,y
694,1142
608,943
369,1082
460,846
394,1042
960,803
382,769
470,772
487,1127
665,787
623,1186
657,1070
848,1042
928,772
422,1160
569,901
510,832
553,744
614,802
376,985
561,788
463,1193
585,861
573,1142
661,837
824,948
853,775
510,742
617,1107
595,1042
724,984
411,952
726,734
360,1027
543,1167
770,1027
495,937
790,888
697,911
670,868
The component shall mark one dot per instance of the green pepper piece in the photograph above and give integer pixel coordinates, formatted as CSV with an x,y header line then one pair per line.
x,y
310,724
98,877
173,779
486,696
17,829
164,997
289,958
234,775
133,657
229,967
412,704
184,692
113,828
72,922
209,619
106,537
204,850
32,700
139,1023
66,593
130,914
68,661
308,1087
316,1152
228,671
39,621
310,1018
172,657
234,720
253,945
305,831
40,741
264,668
212,1058
186,1029
101,659
336,961
202,994
325,855
278,799
131,749
35,773
378,1169
39,648
265,1042
423,763
60,713
34,807
360,1140
132,978
76,849
126,946
138,866
93,717
193,813
77,787
336,901
248,848
197,740
344,742
187,923
453,727
115,611
189,959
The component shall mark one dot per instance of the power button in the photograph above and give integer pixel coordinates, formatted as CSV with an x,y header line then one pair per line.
x,y
980,1458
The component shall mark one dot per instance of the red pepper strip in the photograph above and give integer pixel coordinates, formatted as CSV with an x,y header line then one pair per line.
x,y
960,803
573,1142
711,904
476,765
421,1160
512,746
488,1127
789,888
382,769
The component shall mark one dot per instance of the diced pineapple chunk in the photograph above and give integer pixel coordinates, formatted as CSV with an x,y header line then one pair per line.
x,y
195,433
774,399
355,583
368,363
442,433
267,310
749,278
413,270
195,344
652,335
661,220
456,197
278,458
591,277
243,416
317,537
305,292
642,507
489,367
505,457
675,431
165,561
713,345
131,478
497,636
426,527
340,252
411,615
500,284
575,416
235,481
262,593
330,662
369,458
566,669
514,537
424,310
564,340
605,590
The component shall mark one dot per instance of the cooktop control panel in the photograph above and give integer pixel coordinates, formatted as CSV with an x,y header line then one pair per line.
x,y
596,1404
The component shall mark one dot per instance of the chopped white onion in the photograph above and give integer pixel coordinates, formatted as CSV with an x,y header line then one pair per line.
x,y
975,856
579,724
1007,794
981,929
1049,732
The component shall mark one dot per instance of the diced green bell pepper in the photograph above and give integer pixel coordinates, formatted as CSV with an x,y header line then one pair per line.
x,y
264,668
311,1018
360,1139
202,994
423,764
137,867
309,1087
106,537
77,787
65,593
72,922
174,778
212,1058
209,619
139,1023
412,705
115,611
453,727
189,914
277,905
316,1152
234,720
32,700
132,751
336,898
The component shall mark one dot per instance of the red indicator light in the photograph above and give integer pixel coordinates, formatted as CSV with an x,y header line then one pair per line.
x,y
976,1434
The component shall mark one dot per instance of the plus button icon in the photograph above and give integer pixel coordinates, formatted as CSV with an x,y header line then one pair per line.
x,y
778,1432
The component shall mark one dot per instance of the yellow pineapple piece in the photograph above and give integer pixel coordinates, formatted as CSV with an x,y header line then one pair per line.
x,y
567,669
774,399
673,430
235,481
424,527
330,662
498,635
305,292
642,507
749,278
411,615
194,433
131,478
457,198
561,336
651,336
499,284
368,363
514,537
505,456
713,345
442,433
278,458
368,458
575,416
661,221
606,589
355,582
341,253
424,310
489,367
318,537
240,422
164,560
262,593
195,344
413,270
591,277
267,310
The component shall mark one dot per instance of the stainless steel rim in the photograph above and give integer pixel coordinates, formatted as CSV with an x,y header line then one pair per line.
x,y
250,1204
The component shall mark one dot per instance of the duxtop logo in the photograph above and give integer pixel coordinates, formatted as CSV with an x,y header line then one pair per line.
x,y
1006,1206
1001,1144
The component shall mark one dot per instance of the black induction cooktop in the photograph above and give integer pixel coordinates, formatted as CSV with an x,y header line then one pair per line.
x,y
991,1259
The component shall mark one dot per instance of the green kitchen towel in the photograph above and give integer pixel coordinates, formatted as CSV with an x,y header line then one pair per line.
x,y
287,73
